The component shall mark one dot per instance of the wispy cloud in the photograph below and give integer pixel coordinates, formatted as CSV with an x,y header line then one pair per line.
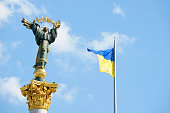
x,y
10,89
65,66
5,12
70,43
9,7
107,41
118,10
15,44
66,94
4,56
90,96
19,64
76,45
65,41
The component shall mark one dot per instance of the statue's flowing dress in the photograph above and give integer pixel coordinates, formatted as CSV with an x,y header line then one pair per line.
x,y
43,40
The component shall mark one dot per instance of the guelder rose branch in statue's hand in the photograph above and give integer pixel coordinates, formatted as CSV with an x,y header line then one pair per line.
x,y
26,23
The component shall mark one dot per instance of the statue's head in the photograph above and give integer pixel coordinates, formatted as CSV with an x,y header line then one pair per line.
x,y
45,29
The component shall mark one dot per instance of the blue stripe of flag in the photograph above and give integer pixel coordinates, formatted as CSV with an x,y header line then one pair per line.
x,y
107,54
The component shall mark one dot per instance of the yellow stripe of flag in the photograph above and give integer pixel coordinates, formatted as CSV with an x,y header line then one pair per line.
x,y
107,66
106,60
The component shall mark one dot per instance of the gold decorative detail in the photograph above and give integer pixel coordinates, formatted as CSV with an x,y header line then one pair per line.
x,y
28,24
38,94
40,72
57,24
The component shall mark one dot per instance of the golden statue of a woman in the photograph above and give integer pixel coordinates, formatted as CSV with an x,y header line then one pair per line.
x,y
43,38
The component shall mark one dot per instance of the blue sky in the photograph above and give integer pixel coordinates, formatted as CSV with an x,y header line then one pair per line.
x,y
142,31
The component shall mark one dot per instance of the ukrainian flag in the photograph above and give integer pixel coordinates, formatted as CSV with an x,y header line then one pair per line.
x,y
106,60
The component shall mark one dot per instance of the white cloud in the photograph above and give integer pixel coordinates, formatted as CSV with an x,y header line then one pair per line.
x,y
10,89
9,7
19,64
65,41
2,49
66,94
70,43
108,41
15,44
65,66
4,57
5,12
28,8
90,96
76,45
118,10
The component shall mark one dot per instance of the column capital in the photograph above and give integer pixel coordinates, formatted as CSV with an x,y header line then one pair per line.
x,y
38,94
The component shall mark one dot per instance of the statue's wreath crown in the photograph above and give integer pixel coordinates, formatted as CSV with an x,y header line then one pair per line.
x,y
41,20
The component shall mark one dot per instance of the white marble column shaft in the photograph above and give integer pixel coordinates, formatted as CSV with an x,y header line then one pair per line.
x,y
38,111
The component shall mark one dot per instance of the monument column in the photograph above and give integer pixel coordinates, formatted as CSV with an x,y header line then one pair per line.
x,y
38,111
38,92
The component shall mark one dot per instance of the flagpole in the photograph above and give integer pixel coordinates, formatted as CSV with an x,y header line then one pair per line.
x,y
115,98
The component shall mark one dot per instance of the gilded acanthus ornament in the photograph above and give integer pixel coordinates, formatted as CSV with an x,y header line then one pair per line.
x,y
38,94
